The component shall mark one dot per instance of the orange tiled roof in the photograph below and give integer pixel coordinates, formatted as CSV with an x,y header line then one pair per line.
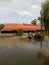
x,y
23,26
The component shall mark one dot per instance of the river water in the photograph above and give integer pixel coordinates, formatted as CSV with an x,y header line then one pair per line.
x,y
21,51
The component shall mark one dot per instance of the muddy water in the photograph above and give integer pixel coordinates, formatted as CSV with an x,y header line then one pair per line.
x,y
20,51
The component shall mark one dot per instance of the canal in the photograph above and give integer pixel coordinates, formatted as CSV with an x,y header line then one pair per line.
x,y
21,51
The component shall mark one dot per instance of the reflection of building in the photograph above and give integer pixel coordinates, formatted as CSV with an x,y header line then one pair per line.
x,y
12,28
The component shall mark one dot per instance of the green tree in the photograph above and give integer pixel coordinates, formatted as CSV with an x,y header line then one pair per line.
x,y
39,18
1,26
45,14
34,21
20,32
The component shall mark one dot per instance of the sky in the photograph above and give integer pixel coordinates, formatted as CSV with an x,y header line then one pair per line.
x,y
19,11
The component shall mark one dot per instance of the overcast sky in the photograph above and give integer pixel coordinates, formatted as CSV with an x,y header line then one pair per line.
x,y
19,11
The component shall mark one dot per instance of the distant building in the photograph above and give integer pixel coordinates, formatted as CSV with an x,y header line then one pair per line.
x,y
12,28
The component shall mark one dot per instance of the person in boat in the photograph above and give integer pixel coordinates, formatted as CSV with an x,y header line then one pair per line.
x,y
29,35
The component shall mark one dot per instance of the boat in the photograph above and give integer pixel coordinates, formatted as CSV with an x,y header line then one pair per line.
x,y
29,35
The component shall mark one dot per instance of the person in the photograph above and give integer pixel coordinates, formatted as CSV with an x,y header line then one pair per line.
x,y
29,35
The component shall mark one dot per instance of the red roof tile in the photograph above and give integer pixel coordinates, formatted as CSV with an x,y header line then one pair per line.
x,y
23,26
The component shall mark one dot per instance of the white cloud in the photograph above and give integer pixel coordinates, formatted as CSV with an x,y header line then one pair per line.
x,y
15,9
24,13
35,7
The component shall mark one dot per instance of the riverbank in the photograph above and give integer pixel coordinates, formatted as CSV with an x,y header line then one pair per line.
x,y
11,35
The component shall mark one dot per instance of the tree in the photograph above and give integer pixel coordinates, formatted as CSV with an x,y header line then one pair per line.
x,y
1,26
39,18
45,14
20,32
34,21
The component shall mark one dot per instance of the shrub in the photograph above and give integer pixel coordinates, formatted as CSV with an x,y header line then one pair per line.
x,y
20,32
1,26
39,36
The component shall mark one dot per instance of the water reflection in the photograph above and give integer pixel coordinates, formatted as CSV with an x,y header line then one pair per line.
x,y
21,51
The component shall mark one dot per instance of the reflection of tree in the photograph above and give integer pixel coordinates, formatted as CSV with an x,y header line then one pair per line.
x,y
41,44
46,61
42,55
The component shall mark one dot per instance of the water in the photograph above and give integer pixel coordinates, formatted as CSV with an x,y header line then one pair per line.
x,y
21,51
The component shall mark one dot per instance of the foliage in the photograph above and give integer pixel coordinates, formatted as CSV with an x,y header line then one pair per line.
x,y
39,37
1,26
39,18
34,21
45,14
20,32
